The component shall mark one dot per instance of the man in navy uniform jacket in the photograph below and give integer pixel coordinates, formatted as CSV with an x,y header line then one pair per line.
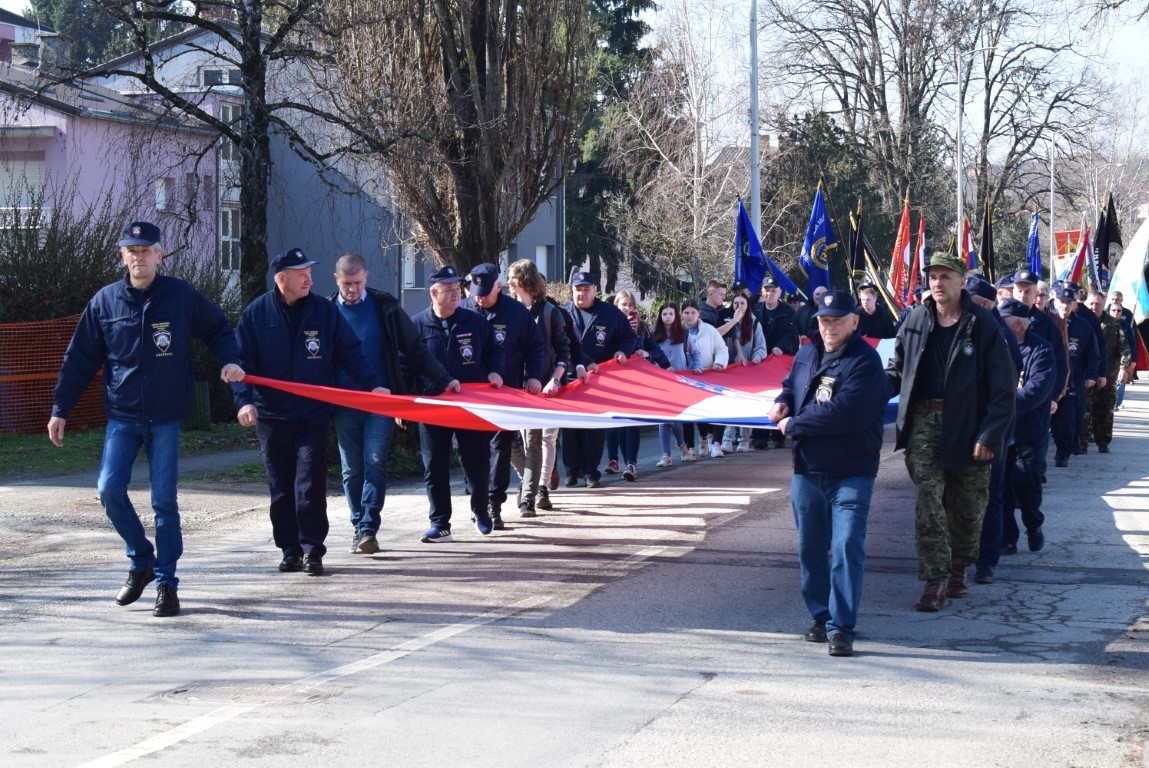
x,y
832,404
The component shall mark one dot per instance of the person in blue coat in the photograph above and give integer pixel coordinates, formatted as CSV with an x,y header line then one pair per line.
x,y
291,334
523,350
1035,386
466,346
1084,362
832,405
140,330
604,333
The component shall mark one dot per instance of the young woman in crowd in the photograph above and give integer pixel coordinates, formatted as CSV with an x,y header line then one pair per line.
x,y
675,343
747,345
712,355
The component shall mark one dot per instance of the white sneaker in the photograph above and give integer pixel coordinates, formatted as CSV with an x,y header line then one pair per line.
x,y
664,461
715,451
744,446
688,454
727,446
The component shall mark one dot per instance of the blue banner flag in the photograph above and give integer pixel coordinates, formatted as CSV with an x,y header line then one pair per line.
x,y
749,260
817,245
1033,249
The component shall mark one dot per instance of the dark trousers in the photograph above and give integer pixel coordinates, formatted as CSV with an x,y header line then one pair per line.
x,y
1067,421
582,452
1022,491
501,444
294,455
991,525
474,455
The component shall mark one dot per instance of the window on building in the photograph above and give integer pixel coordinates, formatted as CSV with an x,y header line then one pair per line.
x,y
230,114
22,178
229,229
220,76
164,187
209,192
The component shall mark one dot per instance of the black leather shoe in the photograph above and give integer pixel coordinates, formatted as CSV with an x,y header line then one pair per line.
x,y
1036,540
816,633
134,586
840,646
1009,549
313,565
167,602
983,574
291,563
1061,462
1103,448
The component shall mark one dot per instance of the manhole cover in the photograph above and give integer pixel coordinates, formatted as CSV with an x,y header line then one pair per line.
x,y
250,693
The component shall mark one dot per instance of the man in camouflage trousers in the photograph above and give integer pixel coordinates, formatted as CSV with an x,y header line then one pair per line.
x,y
1103,397
956,381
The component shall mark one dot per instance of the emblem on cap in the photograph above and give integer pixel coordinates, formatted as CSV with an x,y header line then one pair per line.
x,y
827,300
136,231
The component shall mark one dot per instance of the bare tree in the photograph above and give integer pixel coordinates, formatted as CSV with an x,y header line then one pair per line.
x,y
469,106
667,136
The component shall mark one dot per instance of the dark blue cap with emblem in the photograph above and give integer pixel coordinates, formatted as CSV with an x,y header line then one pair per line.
x,y
836,304
140,233
584,278
1065,293
293,259
1025,276
1004,282
769,282
446,274
483,279
742,285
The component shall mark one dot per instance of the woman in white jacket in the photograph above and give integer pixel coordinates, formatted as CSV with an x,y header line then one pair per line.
x,y
712,355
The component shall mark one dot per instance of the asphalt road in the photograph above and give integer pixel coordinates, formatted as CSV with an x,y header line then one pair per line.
x,y
648,623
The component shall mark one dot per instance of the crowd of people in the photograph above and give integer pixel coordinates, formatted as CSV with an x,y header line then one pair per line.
x,y
988,375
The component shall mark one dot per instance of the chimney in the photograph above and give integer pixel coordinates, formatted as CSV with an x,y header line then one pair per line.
x,y
55,55
26,55
215,12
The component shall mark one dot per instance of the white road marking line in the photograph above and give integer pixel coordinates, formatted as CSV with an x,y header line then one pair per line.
x,y
200,724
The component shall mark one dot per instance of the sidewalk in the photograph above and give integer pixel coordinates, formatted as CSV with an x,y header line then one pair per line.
x,y
647,623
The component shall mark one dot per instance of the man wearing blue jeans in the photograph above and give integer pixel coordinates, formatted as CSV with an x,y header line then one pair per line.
x,y
140,330
831,405
389,338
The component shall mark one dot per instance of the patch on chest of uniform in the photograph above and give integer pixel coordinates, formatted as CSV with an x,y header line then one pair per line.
x,y
162,337
600,335
824,392
500,333
311,345
466,347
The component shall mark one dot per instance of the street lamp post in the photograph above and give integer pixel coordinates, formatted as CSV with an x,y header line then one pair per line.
x,y
959,58
1052,160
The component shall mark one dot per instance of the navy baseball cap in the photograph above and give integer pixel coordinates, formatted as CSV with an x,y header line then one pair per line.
x,y
836,304
445,274
483,279
584,278
293,259
742,285
767,282
1013,308
1065,293
1025,276
976,285
1004,282
140,233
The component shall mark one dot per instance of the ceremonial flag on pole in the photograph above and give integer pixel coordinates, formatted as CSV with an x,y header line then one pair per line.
x,y
1129,277
967,251
1033,247
1107,236
817,245
985,255
749,260
900,265
919,265
871,270
1076,266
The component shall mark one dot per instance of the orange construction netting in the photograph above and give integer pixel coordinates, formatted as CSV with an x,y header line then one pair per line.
x,y
30,358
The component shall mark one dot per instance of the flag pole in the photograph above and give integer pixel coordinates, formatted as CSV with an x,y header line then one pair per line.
x,y
833,221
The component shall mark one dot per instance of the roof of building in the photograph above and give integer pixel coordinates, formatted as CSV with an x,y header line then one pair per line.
x,y
16,20
77,97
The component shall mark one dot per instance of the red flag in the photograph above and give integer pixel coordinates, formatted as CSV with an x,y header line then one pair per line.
x,y
919,264
1076,266
967,251
900,266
